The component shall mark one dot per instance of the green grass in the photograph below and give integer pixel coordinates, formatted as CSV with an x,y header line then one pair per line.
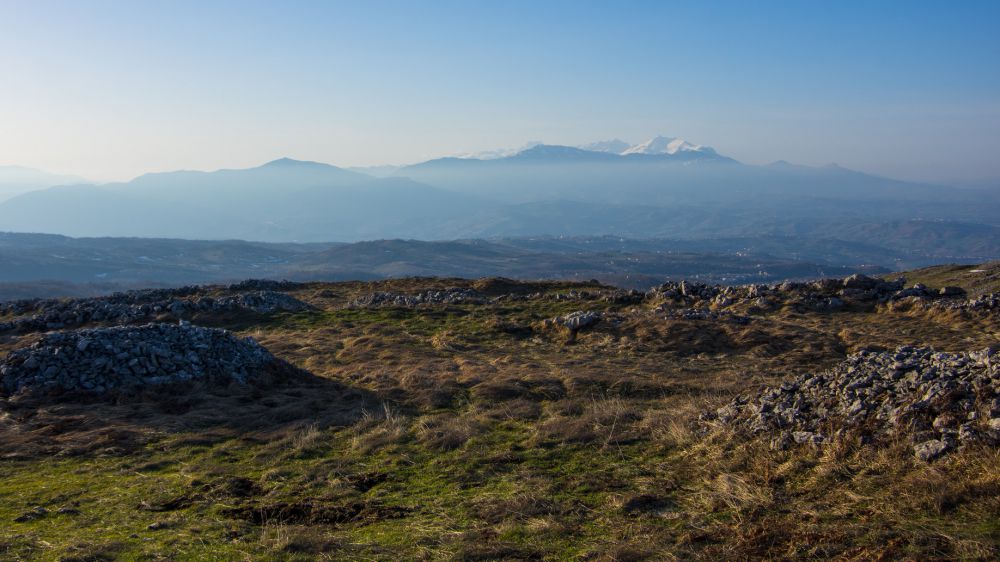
x,y
443,490
481,443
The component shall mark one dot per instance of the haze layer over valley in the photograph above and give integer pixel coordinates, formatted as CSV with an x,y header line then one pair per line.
x,y
684,196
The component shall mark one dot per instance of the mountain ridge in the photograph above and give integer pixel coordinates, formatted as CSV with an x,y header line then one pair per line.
x,y
659,144
667,189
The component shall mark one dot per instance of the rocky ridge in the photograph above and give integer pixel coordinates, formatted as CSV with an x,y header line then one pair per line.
x,y
138,306
824,295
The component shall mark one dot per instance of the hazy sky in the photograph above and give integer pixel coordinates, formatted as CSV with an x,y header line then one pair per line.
x,y
109,90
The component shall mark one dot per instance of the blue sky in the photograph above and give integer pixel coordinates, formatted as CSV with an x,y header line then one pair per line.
x,y
110,90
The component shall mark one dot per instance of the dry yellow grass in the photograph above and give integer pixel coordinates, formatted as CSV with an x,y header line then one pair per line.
x,y
471,432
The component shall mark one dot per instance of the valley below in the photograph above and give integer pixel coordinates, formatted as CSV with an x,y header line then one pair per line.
x,y
42,265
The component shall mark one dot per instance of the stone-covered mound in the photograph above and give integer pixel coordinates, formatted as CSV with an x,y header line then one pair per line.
x,y
103,360
939,401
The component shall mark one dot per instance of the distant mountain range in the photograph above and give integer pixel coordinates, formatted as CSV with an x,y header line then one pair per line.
x,y
15,180
664,188
283,200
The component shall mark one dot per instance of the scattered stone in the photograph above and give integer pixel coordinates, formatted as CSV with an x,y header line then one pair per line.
x,y
263,296
446,296
984,303
824,295
935,399
261,302
704,314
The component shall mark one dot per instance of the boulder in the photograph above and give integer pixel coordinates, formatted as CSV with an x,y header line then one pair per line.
x,y
861,282
952,292
930,449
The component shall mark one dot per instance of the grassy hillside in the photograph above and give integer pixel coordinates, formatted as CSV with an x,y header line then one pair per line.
x,y
976,279
479,432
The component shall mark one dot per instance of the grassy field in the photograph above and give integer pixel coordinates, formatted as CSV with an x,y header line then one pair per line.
x,y
476,432
977,279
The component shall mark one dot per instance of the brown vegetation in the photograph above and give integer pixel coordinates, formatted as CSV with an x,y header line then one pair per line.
x,y
467,432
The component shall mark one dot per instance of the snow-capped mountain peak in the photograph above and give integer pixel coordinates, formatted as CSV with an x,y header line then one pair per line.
x,y
666,145
659,145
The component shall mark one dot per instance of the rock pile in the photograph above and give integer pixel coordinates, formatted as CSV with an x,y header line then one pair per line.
x,y
990,301
56,314
106,359
446,296
140,296
262,302
680,290
939,401
137,306
824,295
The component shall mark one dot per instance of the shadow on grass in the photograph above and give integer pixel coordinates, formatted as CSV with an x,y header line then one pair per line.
x,y
280,398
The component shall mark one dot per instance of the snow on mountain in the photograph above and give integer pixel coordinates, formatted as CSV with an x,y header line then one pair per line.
x,y
656,145
666,145
614,146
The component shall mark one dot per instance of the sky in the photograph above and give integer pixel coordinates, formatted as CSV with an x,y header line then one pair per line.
x,y
111,90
